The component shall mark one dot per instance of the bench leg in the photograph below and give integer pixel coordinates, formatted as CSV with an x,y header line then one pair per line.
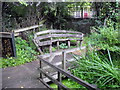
x,y
78,42
81,44
50,48
58,45
69,43
39,48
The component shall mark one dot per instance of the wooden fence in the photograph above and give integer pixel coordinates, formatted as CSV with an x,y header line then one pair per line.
x,y
8,44
60,73
18,32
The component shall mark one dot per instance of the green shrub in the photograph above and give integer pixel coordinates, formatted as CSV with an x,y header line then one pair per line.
x,y
24,54
30,42
101,68
105,38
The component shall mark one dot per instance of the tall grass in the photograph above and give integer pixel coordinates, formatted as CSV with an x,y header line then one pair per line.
x,y
98,69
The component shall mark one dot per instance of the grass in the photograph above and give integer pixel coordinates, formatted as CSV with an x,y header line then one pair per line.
x,y
69,83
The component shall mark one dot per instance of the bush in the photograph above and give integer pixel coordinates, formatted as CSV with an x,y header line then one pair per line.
x,y
105,38
24,54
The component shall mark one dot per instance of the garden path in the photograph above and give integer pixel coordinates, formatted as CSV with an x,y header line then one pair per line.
x,y
23,76
26,76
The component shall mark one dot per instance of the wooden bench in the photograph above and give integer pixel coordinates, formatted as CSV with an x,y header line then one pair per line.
x,y
48,37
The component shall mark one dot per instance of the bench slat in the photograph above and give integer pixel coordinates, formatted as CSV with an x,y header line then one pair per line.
x,y
55,40
56,31
47,37
59,35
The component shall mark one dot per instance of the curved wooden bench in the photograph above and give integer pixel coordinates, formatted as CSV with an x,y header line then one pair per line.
x,y
47,37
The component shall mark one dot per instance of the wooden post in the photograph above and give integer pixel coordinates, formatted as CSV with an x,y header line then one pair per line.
x,y
69,43
1,24
82,12
50,48
58,45
51,36
41,68
39,48
78,42
63,67
13,45
64,60
81,41
59,79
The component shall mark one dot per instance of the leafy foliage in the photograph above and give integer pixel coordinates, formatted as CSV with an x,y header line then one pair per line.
x,y
105,38
106,10
24,54
30,42
101,68
56,17
63,46
23,2
98,69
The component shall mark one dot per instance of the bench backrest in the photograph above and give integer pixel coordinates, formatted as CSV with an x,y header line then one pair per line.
x,y
47,37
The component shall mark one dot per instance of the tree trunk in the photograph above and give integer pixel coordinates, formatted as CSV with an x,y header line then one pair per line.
x,y
97,9
82,12
1,17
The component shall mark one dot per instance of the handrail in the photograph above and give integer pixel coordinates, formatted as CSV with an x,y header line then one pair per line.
x,y
18,31
59,35
63,72
6,34
27,28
